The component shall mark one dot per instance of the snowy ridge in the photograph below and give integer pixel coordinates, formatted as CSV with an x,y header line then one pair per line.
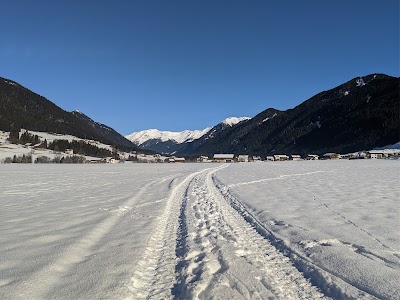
x,y
91,120
232,121
154,134
186,136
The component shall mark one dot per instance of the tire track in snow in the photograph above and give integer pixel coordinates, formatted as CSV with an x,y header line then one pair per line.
x,y
41,282
155,276
226,257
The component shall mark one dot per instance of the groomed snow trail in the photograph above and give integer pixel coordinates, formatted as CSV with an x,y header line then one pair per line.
x,y
155,274
202,248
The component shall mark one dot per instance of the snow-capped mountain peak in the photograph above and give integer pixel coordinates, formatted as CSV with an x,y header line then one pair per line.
x,y
234,120
154,134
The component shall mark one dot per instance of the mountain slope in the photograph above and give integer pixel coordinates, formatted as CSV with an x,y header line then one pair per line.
x,y
217,137
104,131
362,113
22,108
215,134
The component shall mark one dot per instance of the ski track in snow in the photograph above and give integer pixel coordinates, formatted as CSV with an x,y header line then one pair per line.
x,y
280,177
44,280
202,248
347,220
155,274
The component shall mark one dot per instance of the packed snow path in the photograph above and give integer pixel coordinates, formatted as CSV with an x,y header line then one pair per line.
x,y
202,248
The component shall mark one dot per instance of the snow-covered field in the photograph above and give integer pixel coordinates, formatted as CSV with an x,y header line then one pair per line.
x,y
337,220
9,150
286,230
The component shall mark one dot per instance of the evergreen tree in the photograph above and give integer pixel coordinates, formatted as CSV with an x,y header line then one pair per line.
x,y
14,137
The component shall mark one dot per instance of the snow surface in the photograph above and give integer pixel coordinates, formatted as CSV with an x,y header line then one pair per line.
x,y
10,83
339,218
286,230
360,82
266,119
57,136
234,120
9,150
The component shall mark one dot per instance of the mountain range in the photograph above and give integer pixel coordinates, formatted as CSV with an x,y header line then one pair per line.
x,y
360,114
169,142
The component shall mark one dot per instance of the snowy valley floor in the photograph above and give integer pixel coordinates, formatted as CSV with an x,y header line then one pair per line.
x,y
278,230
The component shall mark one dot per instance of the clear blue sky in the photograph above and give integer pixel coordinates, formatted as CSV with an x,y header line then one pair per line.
x,y
176,65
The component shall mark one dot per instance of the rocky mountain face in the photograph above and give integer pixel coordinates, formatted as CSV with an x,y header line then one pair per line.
x,y
22,108
362,113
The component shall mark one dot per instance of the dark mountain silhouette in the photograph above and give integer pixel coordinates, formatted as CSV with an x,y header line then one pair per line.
x,y
362,113
22,108
104,130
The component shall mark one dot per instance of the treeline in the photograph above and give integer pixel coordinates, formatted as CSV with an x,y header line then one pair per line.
x,y
132,158
25,138
27,159
81,148
75,159
22,159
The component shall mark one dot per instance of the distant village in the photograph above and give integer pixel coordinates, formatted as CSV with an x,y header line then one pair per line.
x,y
231,158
